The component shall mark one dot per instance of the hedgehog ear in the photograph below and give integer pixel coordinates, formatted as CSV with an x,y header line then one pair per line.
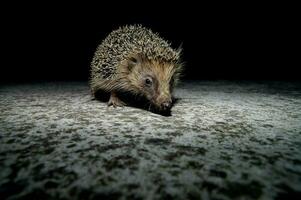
x,y
134,61
179,49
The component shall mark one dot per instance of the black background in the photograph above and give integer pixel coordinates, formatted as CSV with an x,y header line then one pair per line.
x,y
49,42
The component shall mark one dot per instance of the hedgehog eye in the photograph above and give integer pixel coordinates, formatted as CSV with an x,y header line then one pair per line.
x,y
148,82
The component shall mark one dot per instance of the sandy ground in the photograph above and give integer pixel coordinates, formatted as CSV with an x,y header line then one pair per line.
x,y
224,140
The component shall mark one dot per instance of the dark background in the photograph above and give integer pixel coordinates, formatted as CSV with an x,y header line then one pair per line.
x,y
49,42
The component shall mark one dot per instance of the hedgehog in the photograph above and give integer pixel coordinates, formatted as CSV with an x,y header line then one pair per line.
x,y
135,60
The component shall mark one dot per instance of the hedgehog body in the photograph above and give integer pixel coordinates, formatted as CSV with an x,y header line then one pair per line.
x,y
134,59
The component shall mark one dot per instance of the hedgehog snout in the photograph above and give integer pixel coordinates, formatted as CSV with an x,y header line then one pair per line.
x,y
164,101
166,105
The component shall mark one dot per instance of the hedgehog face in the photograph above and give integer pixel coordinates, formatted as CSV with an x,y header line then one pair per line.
x,y
155,80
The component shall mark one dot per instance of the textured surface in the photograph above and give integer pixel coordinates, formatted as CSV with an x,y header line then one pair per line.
x,y
224,140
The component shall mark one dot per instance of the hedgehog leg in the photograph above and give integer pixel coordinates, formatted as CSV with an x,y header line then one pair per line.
x,y
115,101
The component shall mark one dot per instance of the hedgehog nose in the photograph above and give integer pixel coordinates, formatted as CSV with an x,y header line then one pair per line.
x,y
166,105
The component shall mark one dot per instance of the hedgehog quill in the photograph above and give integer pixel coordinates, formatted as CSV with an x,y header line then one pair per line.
x,y
135,60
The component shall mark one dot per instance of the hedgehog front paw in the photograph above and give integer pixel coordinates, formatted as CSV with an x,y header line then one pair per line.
x,y
115,101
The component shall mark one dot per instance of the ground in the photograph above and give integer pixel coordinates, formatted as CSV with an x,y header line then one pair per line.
x,y
224,140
